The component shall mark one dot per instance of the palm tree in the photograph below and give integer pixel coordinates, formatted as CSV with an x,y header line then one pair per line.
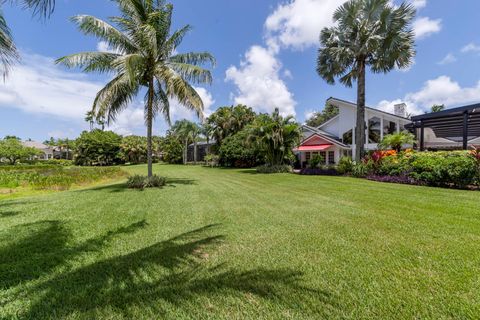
x,y
8,51
397,141
207,131
275,135
368,33
143,56
89,117
185,131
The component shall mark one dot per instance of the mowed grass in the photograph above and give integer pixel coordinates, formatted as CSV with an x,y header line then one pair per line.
x,y
231,244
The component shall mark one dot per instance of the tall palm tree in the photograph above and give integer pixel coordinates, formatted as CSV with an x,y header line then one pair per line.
x,y
8,51
368,33
144,55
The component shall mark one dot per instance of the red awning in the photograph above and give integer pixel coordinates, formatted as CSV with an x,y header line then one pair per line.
x,y
318,147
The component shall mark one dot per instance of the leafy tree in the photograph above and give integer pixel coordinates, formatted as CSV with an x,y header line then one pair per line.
x,y
13,150
275,136
236,152
171,148
227,121
144,57
368,33
319,118
134,149
397,141
98,148
438,107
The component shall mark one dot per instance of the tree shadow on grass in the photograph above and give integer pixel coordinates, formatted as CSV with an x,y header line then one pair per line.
x,y
122,187
29,251
169,275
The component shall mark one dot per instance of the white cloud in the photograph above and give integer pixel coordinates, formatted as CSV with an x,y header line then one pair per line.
x,y
419,3
297,24
449,58
38,86
178,112
442,90
259,84
129,121
424,27
471,47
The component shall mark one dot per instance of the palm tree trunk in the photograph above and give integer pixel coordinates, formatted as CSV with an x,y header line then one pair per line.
x,y
360,127
149,127
185,152
195,151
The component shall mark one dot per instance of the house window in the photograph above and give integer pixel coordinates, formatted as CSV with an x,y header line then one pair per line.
x,y
374,130
389,128
307,156
323,154
331,157
347,137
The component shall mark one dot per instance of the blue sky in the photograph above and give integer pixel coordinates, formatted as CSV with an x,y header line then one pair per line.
x,y
265,52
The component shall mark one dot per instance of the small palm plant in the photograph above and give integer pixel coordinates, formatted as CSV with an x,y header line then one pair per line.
x,y
368,33
143,56
397,141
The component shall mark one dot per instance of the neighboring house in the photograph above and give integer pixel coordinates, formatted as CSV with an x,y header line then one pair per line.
x,y
47,152
336,137
203,148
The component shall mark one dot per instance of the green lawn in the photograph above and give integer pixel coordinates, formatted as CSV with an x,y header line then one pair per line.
x,y
231,244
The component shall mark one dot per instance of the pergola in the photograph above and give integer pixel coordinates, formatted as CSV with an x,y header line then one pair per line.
x,y
457,124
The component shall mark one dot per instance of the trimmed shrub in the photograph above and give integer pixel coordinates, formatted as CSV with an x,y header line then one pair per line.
x,y
266,169
142,182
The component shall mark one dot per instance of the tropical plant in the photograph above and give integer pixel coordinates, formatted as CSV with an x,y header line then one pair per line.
x,y
227,121
133,149
319,118
315,161
143,55
187,131
275,136
90,118
13,150
438,107
368,33
396,141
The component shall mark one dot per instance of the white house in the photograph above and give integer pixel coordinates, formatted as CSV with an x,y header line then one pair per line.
x,y
47,152
336,137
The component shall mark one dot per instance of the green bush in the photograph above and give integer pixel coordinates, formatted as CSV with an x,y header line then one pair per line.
x,y
59,162
142,182
345,165
235,152
361,170
315,161
98,148
267,169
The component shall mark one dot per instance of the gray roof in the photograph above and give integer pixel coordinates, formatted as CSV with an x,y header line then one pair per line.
x,y
35,144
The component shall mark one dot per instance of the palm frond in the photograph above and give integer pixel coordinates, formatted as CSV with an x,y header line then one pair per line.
x,y
8,52
90,61
90,25
195,58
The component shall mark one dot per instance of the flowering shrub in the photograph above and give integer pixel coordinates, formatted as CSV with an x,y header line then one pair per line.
x,y
458,169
